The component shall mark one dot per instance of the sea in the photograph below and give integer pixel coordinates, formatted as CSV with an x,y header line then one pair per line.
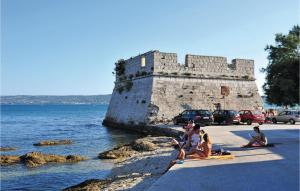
x,y
24,125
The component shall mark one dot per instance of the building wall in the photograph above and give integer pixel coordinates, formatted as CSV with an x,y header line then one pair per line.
x,y
202,66
131,106
164,88
173,95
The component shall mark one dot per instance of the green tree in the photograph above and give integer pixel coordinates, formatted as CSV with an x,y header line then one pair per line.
x,y
282,72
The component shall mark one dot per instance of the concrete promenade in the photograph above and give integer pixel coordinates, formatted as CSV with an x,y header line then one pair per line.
x,y
267,169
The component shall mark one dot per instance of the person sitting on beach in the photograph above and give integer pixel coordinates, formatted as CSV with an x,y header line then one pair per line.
x,y
188,128
203,150
259,139
193,138
180,157
202,133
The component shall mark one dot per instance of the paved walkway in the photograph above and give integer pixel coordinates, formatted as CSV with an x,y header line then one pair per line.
x,y
274,168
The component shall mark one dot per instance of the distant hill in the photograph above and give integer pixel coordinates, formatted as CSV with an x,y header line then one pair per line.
x,y
72,99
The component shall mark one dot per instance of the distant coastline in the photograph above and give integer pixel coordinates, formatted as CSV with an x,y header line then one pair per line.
x,y
75,100
53,100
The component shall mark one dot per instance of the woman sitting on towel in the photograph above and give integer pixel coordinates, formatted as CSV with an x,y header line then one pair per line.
x,y
193,138
259,139
203,150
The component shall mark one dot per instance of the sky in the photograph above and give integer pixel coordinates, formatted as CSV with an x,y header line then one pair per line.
x,y
69,47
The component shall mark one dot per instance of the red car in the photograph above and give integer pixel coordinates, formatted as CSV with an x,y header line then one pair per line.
x,y
249,117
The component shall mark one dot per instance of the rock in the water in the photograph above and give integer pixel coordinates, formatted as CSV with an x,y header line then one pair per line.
x,y
116,153
7,148
9,160
35,159
53,142
125,151
143,145
89,185
74,158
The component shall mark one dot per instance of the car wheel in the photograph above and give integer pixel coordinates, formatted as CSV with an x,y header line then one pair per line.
x,y
274,120
249,122
292,121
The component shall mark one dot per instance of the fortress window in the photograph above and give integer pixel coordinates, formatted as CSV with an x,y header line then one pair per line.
x,y
143,61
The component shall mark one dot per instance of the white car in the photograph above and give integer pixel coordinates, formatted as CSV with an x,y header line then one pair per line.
x,y
291,116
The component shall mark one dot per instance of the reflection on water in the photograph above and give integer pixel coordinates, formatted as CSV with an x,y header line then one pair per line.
x,y
21,126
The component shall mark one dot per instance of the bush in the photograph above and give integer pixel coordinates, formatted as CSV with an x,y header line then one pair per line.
x,y
137,74
120,89
120,67
128,85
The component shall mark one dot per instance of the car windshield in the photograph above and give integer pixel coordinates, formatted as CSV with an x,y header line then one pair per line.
x,y
203,112
233,112
257,112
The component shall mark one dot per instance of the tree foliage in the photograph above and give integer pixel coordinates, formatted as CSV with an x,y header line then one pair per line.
x,y
120,67
282,72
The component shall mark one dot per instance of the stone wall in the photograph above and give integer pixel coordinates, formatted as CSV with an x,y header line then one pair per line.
x,y
162,88
131,106
203,66
173,95
195,66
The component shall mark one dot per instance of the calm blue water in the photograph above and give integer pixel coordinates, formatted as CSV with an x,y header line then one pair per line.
x,y
23,125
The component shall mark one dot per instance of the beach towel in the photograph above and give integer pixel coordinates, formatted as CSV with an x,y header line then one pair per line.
x,y
221,157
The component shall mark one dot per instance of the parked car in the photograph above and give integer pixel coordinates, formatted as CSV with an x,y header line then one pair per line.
x,y
291,116
249,117
226,117
199,116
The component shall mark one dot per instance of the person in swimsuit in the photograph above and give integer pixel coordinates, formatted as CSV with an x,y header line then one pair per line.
x,y
193,139
259,139
203,150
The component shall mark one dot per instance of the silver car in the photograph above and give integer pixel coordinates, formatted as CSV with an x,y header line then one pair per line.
x,y
291,116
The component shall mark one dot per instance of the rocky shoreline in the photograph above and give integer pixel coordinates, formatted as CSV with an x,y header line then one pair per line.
x,y
35,159
138,165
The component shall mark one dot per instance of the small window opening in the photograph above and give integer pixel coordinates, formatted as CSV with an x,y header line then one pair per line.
x,y
143,61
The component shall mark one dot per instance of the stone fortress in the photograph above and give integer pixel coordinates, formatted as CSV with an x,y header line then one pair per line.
x,y
153,86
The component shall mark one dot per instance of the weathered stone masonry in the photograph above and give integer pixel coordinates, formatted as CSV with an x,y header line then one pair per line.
x,y
154,85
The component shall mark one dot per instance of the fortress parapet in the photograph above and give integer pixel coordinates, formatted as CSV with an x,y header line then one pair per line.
x,y
195,66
